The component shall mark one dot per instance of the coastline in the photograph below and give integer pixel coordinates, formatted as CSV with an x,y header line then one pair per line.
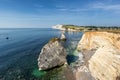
x,y
68,72
87,28
92,44
102,49
106,45
62,28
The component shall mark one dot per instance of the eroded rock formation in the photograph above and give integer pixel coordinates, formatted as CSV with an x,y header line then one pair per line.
x,y
104,64
63,37
52,54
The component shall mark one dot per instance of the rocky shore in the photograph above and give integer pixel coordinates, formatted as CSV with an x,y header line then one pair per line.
x,y
100,61
104,62
87,28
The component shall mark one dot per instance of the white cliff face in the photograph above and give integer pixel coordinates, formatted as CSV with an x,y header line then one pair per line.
x,y
105,62
60,27
52,54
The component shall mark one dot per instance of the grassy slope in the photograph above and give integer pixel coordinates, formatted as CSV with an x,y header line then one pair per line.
x,y
92,28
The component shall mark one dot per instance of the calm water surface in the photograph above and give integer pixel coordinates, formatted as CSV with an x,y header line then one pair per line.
x,y
19,53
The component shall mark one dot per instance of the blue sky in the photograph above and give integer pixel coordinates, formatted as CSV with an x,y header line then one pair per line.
x,y
47,13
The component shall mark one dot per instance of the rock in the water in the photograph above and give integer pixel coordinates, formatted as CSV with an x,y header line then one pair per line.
x,y
7,37
63,37
52,54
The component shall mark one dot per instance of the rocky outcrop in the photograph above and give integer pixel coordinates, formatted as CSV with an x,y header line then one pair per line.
x,y
63,37
52,54
104,64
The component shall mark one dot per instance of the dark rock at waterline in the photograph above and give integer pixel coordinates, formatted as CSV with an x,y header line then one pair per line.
x,y
7,38
52,54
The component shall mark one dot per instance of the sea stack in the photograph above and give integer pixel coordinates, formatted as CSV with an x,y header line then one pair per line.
x,y
63,37
52,55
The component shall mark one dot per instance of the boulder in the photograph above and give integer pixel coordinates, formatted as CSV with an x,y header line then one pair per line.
x,y
52,55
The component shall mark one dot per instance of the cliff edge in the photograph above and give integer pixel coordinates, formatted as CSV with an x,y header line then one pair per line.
x,y
104,63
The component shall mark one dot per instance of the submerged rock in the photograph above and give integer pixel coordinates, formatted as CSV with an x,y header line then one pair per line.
x,y
7,38
52,54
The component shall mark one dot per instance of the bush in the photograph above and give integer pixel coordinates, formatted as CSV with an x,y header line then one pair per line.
x,y
54,39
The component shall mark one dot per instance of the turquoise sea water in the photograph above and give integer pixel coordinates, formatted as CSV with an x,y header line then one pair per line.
x,y
19,53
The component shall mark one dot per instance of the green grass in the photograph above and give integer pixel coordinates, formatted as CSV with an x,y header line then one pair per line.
x,y
54,39
93,28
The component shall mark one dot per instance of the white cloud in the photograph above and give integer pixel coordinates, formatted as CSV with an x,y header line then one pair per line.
x,y
93,6
80,9
63,9
106,6
74,9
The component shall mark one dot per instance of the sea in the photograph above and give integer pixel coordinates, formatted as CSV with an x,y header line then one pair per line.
x,y
20,48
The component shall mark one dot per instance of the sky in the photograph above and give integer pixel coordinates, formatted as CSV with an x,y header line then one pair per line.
x,y
47,13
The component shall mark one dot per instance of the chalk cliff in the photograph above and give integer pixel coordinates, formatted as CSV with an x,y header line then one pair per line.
x,y
63,28
104,64
59,27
